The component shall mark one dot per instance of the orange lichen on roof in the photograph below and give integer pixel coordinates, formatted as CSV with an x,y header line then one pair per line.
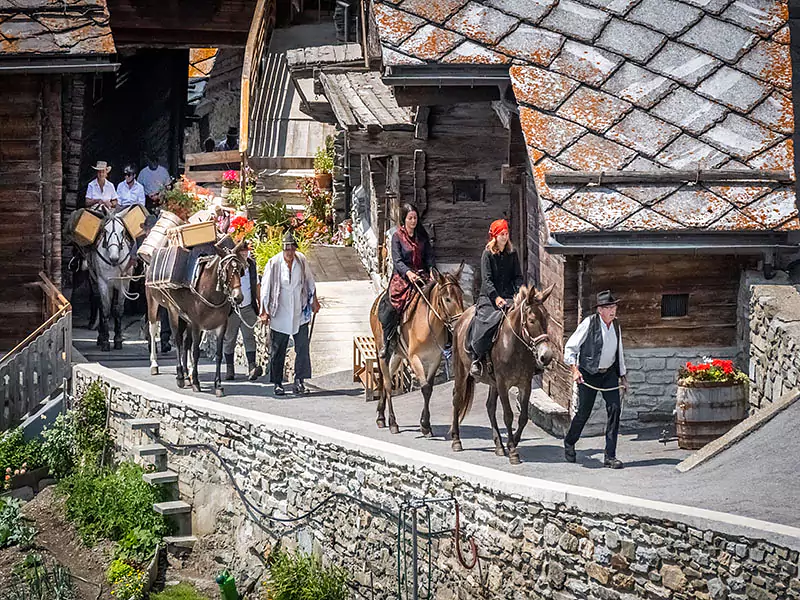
x,y
556,193
735,220
777,63
535,155
201,61
394,25
433,10
774,209
648,220
549,133
782,36
601,207
596,110
560,221
593,153
540,88
431,42
777,158
740,195
792,224
470,53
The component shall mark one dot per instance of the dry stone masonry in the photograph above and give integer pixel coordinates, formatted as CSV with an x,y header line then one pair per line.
x,y
533,545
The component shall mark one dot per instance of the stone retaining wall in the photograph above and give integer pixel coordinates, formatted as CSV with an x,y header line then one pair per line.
x,y
536,539
774,342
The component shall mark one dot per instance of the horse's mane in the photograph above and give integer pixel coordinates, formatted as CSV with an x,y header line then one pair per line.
x,y
521,295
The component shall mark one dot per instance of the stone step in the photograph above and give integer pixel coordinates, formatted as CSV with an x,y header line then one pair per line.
x,y
150,450
173,507
281,162
282,178
160,477
145,424
548,414
181,541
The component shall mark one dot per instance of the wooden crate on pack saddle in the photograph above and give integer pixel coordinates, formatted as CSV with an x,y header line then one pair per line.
x,y
195,234
133,218
87,228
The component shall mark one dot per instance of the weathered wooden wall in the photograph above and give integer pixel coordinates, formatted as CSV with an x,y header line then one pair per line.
x,y
712,283
30,199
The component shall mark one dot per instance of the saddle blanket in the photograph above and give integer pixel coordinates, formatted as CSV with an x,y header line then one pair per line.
x,y
175,266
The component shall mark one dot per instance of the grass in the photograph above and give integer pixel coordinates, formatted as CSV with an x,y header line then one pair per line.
x,y
182,591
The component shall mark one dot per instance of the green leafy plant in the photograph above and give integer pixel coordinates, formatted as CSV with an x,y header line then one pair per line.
x,y
183,198
127,581
271,214
319,202
18,456
711,371
271,243
182,591
59,449
92,439
113,504
299,576
237,200
14,527
36,580
324,157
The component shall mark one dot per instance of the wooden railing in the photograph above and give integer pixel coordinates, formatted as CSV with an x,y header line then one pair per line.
x,y
261,28
209,167
38,365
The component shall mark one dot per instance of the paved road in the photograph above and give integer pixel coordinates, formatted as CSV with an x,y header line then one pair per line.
x,y
758,478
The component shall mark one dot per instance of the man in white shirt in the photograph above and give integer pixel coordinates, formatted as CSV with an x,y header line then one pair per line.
x,y
153,178
101,192
129,190
288,299
244,319
598,364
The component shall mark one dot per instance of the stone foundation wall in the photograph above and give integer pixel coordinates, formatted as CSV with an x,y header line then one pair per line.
x,y
534,540
774,342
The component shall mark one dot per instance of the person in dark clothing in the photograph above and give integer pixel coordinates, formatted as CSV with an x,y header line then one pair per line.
x,y
501,278
598,364
244,319
412,257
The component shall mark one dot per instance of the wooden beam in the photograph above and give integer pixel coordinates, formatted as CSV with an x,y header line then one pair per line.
x,y
421,122
212,158
431,96
511,174
666,176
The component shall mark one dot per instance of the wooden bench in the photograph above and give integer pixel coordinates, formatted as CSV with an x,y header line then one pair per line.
x,y
367,371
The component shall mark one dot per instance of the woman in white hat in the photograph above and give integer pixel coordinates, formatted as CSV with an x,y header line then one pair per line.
x,y
101,192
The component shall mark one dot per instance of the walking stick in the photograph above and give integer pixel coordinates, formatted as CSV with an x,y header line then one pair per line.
x,y
311,327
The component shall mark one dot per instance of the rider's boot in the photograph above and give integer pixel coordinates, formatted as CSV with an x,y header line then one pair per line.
x,y
254,371
229,368
476,369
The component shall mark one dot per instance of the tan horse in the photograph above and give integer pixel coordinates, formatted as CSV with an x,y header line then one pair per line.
x,y
522,350
423,336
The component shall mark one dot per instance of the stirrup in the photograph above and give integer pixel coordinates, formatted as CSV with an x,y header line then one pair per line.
x,y
476,368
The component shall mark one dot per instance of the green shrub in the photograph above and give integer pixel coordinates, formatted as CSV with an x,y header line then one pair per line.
x,y
324,157
14,528
271,244
271,214
17,455
182,591
299,576
91,437
126,581
59,449
35,580
118,505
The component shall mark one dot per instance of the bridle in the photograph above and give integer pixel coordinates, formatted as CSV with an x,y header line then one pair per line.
x,y
448,322
223,279
114,239
530,342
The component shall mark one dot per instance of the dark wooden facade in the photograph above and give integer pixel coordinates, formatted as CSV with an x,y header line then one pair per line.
x,y
30,199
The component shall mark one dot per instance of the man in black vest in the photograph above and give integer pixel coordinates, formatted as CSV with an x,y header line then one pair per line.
x,y
248,312
595,353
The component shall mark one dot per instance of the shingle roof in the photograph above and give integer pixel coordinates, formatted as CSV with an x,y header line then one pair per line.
x,y
629,85
55,27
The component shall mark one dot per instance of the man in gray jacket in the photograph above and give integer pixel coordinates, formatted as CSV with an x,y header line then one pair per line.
x,y
598,364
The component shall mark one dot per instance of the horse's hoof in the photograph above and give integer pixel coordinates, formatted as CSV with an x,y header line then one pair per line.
x,y
196,387
394,428
153,370
117,344
219,392
426,432
105,347
381,423
513,457
498,451
181,382
456,446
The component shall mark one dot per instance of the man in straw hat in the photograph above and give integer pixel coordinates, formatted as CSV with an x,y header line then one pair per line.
x,y
288,299
101,192
598,364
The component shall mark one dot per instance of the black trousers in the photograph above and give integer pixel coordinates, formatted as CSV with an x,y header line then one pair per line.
x,y
586,398
389,318
278,344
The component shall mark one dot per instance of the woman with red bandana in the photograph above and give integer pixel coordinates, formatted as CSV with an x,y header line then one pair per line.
x,y
412,257
501,278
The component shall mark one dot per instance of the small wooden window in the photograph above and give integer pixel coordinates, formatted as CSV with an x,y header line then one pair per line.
x,y
674,305
469,190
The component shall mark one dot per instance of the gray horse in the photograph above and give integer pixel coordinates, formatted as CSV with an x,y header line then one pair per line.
x,y
110,263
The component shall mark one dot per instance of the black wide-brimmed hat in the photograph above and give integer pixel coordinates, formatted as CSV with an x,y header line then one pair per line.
x,y
606,298
289,241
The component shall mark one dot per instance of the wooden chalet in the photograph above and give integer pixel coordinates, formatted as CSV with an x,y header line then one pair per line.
x,y
48,51
643,146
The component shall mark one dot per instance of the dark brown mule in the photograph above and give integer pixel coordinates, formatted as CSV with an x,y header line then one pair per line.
x,y
423,336
522,350
205,307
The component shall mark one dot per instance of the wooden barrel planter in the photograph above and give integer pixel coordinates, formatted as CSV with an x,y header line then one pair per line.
x,y
707,410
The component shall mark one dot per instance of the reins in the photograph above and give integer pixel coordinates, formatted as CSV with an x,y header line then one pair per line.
x,y
447,322
534,341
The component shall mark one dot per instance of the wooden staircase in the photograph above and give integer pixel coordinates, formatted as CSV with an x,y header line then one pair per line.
x,y
155,454
279,183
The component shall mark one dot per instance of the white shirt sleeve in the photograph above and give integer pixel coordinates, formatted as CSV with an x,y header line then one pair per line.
x,y
622,370
265,284
575,341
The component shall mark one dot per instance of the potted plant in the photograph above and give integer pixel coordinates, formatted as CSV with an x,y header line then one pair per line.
x,y
712,398
230,181
323,164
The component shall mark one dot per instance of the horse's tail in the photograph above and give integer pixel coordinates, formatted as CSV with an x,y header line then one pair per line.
x,y
466,401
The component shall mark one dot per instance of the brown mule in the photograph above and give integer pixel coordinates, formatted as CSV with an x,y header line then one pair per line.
x,y
193,310
423,336
522,350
